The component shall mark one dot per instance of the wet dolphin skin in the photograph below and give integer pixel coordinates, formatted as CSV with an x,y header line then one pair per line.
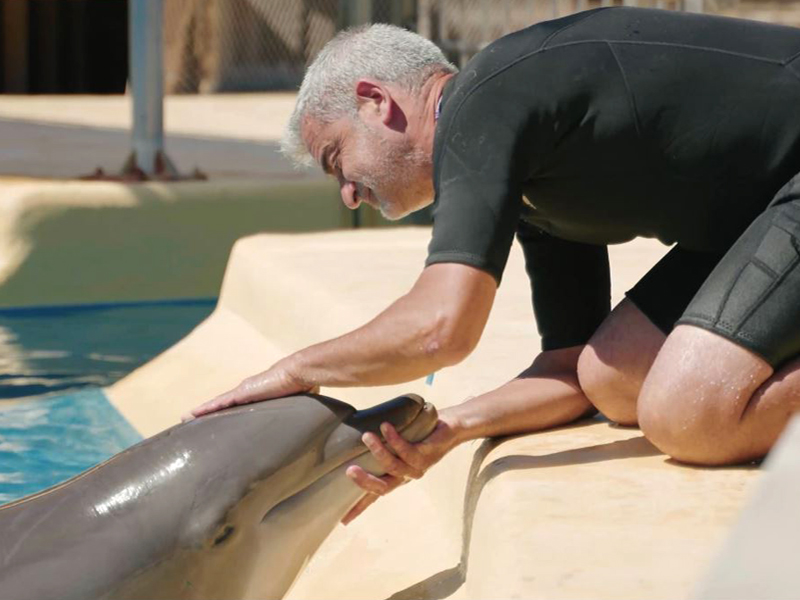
x,y
230,505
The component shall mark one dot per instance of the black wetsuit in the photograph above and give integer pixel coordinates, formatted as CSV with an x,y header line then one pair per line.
x,y
621,122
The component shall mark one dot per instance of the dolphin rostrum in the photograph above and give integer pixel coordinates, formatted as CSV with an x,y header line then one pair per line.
x,y
230,505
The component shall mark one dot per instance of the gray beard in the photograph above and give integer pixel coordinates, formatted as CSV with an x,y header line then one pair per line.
x,y
400,163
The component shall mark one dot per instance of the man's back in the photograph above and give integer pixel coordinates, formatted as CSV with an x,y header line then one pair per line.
x,y
623,122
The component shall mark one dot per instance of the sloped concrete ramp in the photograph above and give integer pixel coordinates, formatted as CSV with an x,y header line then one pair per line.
x,y
587,511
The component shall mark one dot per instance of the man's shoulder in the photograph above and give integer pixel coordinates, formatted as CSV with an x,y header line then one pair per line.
x,y
510,49
489,104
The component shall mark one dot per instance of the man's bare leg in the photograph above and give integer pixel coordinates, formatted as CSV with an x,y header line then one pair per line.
x,y
710,401
614,363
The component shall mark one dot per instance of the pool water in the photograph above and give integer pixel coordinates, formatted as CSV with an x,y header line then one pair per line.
x,y
55,421
47,440
48,349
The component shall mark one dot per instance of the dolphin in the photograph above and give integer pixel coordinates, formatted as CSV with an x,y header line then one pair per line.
x,y
230,505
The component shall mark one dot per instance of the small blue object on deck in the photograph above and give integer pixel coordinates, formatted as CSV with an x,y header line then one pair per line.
x,y
46,440
429,379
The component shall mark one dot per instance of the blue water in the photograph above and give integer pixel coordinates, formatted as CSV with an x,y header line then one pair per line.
x,y
47,349
47,440
68,353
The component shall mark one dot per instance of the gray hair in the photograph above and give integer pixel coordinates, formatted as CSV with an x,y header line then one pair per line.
x,y
386,53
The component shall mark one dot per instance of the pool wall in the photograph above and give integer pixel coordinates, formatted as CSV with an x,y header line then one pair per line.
x,y
74,242
585,511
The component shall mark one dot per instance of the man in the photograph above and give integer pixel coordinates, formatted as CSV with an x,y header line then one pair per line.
x,y
574,134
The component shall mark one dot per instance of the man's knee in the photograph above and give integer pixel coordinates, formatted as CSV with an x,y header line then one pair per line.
x,y
691,408
675,421
605,387
616,360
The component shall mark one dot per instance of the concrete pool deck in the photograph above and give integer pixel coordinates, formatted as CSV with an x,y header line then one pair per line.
x,y
227,136
585,511
149,240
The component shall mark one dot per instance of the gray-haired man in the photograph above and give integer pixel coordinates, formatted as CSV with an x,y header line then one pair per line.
x,y
574,134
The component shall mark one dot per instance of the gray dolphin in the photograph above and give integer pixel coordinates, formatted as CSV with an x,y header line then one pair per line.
x,y
230,505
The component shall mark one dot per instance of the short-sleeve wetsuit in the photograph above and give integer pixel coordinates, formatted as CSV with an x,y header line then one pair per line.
x,y
615,123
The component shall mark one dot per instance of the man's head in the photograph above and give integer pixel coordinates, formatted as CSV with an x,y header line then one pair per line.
x,y
363,113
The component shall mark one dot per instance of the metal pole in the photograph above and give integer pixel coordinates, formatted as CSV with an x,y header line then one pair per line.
x,y
424,19
695,6
147,84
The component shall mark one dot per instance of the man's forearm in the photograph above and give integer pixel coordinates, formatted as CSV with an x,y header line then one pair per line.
x,y
397,346
433,326
547,394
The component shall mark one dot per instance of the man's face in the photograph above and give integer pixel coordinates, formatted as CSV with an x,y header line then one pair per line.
x,y
373,164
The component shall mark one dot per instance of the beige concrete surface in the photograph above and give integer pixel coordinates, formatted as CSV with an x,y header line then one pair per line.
x,y
230,136
73,242
590,511
257,116
759,557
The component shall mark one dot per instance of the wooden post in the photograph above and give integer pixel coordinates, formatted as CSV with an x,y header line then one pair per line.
x,y
15,46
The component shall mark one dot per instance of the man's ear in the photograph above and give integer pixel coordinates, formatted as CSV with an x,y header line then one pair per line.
x,y
375,104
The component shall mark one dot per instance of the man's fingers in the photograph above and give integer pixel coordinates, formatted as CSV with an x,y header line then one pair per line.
x,y
213,405
359,507
388,461
404,449
372,484
247,391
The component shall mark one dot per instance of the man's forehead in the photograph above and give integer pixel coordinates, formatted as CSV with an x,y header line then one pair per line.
x,y
320,137
315,131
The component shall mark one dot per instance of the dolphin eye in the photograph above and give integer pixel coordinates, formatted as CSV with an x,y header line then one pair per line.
x,y
224,535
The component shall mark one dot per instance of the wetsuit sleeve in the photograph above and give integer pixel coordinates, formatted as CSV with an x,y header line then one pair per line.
x,y
570,284
474,223
479,166
477,208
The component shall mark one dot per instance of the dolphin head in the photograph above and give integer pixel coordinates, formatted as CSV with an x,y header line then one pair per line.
x,y
230,505
272,488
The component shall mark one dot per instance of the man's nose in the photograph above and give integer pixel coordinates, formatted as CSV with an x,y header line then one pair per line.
x,y
349,194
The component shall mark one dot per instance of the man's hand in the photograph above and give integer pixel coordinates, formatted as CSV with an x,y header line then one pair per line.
x,y
409,461
276,382
433,326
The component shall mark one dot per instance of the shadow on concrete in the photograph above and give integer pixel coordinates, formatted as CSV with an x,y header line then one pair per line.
x,y
35,149
445,583
750,466
630,448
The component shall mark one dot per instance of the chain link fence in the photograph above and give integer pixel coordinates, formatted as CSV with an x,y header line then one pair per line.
x,y
252,45
249,45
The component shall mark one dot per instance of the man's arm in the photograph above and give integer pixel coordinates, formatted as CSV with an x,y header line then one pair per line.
x,y
437,324
546,394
